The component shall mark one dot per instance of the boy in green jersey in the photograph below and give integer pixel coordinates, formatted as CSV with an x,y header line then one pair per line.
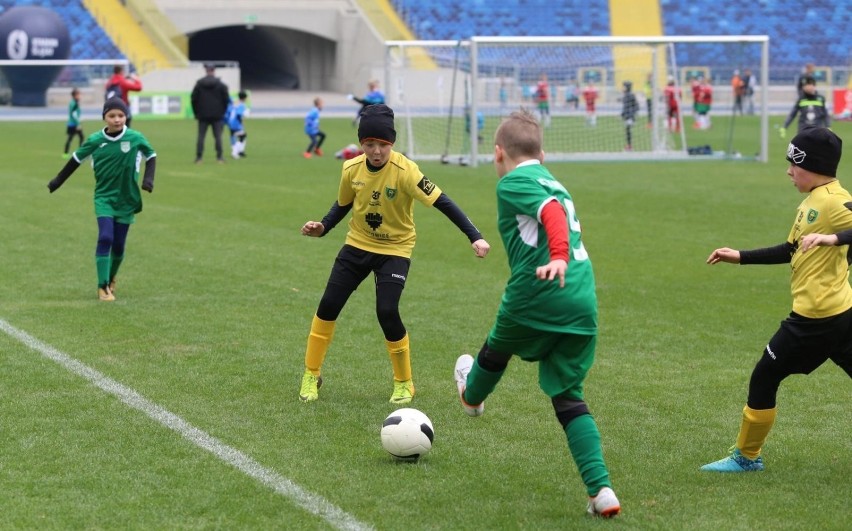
x,y
819,327
117,154
72,126
548,312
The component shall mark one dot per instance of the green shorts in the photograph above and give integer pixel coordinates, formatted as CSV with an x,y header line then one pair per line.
x,y
563,359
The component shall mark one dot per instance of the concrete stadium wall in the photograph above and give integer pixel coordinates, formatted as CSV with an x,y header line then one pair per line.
x,y
333,47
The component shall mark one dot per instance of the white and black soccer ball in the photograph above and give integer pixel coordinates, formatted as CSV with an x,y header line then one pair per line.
x,y
407,434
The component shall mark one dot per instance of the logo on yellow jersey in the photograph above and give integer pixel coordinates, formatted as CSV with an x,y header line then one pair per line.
x,y
426,185
390,193
812,215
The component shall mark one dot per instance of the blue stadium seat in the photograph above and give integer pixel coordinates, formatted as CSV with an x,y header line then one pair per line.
x,y
811,32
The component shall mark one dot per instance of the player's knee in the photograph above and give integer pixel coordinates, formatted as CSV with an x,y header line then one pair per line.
x,y
764,382
387,311
492,360
567,409
105,240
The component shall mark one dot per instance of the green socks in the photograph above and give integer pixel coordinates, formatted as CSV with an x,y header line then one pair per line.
x,y
102,263
584,442
114,265
480,384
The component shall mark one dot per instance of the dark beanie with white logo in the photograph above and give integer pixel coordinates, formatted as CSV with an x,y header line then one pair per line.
x,y
115,103
377,124
816,149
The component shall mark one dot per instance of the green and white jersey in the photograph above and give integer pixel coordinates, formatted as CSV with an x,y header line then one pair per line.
x,y
73,114
116,161
541,304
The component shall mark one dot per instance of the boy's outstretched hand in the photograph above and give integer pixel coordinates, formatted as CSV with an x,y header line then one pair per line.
x,y
724,254
313,228
481,248
556,268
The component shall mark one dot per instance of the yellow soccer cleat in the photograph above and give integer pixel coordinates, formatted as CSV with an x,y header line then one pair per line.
x,y
310,387
403,392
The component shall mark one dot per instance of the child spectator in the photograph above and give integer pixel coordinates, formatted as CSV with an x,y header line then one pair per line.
x,y
374,96
542,99
629,108
672,96
590,96
73,127
312,129
572,98
234,116
703,103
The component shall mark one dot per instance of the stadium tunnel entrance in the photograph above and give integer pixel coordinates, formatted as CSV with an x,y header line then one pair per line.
x,y
270,57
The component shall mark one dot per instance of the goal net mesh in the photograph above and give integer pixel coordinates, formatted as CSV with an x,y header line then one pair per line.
x,y
450,96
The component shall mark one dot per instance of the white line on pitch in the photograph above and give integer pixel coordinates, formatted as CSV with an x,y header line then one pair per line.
x,y
308,501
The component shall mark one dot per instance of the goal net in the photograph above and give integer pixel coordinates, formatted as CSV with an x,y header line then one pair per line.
x,y
449,96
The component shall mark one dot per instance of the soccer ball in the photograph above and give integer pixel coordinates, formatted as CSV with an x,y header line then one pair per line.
x,y
407,434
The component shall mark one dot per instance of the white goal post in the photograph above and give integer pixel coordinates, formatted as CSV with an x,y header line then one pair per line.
x,y
449,96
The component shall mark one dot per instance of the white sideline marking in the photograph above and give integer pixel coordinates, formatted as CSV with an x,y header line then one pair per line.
x,y
308,501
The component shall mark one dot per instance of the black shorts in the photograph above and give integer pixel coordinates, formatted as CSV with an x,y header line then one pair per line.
x,y
801,344
352,266
71,129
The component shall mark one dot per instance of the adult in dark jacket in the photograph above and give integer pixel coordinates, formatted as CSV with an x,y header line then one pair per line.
x,y
209,101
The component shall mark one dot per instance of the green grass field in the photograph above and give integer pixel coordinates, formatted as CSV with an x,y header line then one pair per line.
x,y
214,303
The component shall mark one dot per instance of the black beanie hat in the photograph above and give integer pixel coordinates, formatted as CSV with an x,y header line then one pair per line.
x,y
115,103
816,149
377,123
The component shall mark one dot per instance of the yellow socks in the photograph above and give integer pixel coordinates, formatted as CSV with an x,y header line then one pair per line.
x,y
755,427
318,341
400,356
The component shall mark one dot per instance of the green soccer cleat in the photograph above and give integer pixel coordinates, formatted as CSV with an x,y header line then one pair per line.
x,y
604,504
403,392
736,462
310,387
463,365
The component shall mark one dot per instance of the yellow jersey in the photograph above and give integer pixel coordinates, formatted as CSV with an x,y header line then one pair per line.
x,y
820,277
383,203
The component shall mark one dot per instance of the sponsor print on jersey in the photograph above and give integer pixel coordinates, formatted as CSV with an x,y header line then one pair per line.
x,y
426,185
373,219
375,195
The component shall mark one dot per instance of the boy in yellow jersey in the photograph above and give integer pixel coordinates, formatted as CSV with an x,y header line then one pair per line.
x,y
379,187
820,326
